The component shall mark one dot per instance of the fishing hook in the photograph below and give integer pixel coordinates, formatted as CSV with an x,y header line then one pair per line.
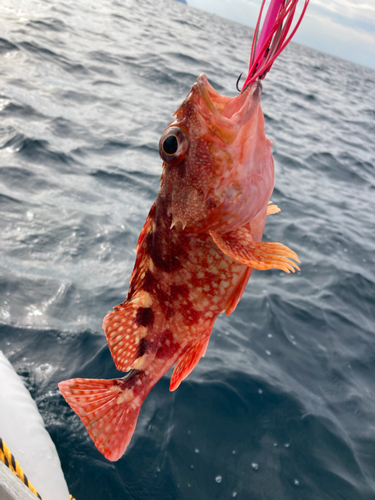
x,y
238,81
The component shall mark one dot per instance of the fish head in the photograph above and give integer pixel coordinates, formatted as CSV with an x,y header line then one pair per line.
x,y
218,169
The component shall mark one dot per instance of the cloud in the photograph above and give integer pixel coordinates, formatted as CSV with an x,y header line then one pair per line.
x,y
347,13
348,8
350,38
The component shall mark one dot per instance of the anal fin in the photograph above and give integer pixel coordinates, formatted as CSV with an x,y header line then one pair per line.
x,y
240,246
237,293
188,362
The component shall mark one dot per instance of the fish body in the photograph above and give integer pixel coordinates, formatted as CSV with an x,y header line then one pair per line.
x,y
194,257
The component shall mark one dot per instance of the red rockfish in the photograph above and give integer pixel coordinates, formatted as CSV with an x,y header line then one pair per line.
x,y
195,255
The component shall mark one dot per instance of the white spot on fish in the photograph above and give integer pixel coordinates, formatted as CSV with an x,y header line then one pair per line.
x,y
147,300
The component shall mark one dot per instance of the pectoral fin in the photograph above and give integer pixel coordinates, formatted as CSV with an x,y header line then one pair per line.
x,y
240,246
188,362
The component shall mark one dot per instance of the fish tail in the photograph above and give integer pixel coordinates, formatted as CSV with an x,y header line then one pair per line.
x,y
108,408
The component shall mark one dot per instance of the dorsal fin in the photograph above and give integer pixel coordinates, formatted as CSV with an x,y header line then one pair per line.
x,y
128,325
126,329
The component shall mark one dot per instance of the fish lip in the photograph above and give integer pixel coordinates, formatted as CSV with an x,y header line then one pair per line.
x,y
205,89
246,101
223,127
249,100
255,88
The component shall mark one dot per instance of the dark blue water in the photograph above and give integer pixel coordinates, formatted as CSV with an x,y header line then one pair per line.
x,y
283,405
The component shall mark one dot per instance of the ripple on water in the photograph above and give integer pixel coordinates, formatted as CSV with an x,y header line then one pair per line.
x,y
282,404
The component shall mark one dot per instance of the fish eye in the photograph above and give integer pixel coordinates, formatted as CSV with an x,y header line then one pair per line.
x,y
173,145
170,145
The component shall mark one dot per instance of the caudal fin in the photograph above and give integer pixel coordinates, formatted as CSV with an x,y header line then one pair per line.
x,y
108,408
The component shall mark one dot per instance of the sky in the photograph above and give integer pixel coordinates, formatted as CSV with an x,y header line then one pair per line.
x,y
343,28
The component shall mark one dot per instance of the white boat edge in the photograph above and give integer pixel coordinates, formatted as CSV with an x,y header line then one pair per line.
x,y
22,430
11,488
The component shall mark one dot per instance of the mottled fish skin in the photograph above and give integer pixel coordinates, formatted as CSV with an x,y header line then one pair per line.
x,y
181,282
195,255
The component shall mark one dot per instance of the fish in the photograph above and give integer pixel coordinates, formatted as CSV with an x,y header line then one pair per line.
x,y
195,254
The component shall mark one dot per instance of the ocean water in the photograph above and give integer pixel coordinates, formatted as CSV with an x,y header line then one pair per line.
x,y
283,405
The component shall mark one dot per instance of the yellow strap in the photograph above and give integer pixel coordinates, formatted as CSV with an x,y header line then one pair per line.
x,y
8,459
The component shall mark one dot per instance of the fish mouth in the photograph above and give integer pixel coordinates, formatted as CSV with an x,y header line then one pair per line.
x,y
225,115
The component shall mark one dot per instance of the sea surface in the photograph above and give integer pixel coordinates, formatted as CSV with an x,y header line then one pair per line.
x,y
282,407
